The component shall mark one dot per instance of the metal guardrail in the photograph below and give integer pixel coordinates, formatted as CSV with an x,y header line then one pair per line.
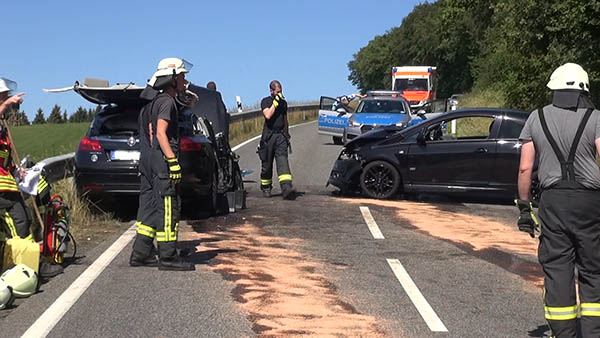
x,y
254,113
59,167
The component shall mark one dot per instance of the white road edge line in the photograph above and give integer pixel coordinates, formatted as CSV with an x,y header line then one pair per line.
x,y
46,322
257,137
431,318
371,224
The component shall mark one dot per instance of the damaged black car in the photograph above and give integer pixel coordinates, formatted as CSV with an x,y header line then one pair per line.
x,y
470,152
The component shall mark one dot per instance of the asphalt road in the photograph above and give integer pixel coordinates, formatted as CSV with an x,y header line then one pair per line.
x,y
321,246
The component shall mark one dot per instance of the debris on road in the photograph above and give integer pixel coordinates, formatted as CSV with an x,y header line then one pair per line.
x,y
279,286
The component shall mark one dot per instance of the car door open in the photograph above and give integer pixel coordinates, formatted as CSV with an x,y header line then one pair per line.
x,y
333,117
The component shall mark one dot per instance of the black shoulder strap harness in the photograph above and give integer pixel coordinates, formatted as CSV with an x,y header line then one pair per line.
x,y
566,167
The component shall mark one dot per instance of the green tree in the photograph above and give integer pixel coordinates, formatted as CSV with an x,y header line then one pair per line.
x,y
80,115
55,115
529,39
16,117
39,117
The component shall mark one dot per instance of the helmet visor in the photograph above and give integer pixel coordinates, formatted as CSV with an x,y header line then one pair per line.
x,y
187,65
8,85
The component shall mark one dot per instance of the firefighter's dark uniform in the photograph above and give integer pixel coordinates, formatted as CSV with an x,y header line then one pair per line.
x,y
160,205
146,216
569,213
13,213
274,145
166,198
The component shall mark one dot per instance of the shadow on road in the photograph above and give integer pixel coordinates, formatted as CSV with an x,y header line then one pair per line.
x,y
541,331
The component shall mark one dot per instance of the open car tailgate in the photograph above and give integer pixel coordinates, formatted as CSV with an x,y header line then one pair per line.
x,y
99,92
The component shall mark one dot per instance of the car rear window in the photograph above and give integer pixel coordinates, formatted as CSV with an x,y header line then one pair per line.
x,y
116,123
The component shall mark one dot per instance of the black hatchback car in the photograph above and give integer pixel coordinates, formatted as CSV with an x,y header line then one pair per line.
x,y
471,151
107,158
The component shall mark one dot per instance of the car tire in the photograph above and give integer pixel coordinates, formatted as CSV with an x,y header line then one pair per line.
x,y
338,140
379,179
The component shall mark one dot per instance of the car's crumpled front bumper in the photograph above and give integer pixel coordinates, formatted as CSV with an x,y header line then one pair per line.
x,y
344,174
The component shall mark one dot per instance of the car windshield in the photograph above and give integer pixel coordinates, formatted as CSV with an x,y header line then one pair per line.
x,y
116,123
381,106
411,84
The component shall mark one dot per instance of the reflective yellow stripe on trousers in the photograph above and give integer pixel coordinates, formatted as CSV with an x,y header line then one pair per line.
x,y
145,230
266,182
590,309
170,233
560,313
285,177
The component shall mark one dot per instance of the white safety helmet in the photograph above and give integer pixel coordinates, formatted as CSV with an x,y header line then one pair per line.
x,y
170,66
7,85
569,76
6,295
22,279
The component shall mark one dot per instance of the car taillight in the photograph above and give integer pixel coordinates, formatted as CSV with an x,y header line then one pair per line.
x,y
187,144
88,144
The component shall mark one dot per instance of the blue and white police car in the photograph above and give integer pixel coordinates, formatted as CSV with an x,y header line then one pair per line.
x,y
379,108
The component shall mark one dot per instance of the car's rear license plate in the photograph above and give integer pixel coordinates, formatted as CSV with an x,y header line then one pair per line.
x,y
125,155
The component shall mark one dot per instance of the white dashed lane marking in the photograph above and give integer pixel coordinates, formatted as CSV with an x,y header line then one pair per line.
x,y
429,316
366,213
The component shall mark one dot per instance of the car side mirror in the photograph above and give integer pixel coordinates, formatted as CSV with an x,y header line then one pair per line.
x,y
421,114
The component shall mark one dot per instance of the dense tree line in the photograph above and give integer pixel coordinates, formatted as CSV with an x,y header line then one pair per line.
x,y
510,47
57,115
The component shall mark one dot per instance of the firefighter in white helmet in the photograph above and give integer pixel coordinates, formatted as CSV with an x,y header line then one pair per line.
x,y
160,205
565,136
13,214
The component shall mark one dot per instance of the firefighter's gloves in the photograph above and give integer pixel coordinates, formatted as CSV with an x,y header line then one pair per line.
x,y
527,221
277,99
174,170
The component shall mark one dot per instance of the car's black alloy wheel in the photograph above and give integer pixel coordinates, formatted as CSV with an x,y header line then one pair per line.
x,y
379,179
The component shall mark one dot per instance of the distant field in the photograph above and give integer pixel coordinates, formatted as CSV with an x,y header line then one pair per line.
x,y
47,140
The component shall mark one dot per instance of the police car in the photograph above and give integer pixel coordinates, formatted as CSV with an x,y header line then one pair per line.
x,y
379,108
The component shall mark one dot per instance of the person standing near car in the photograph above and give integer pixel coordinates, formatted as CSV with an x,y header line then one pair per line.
x,y
13,211
159,161
274,143
565,135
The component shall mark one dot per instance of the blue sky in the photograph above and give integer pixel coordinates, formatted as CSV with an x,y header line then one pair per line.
x,y
241,45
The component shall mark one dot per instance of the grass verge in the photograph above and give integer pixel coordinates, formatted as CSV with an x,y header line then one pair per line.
x,y
488,98
89,225
47,140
